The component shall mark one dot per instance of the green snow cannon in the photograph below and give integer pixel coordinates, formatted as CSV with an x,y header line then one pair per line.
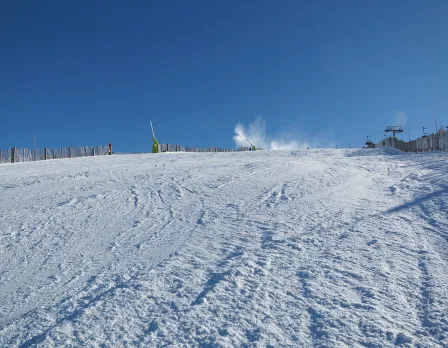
x,y
155,146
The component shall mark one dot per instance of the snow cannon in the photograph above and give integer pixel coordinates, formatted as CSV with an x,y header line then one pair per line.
x,y
155,145
252,147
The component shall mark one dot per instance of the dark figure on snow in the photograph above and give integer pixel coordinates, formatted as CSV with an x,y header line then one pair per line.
x,y
109,149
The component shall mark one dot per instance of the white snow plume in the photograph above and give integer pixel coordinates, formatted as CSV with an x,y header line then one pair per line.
x,y
257,135
400,118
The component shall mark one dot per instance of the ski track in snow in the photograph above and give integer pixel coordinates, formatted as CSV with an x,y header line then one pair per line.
x,y
314,248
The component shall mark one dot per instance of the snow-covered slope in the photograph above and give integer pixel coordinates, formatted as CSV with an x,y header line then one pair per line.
x,y
304,248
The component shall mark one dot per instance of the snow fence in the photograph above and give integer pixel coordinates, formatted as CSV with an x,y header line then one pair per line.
x,y
16,155
179,148
432,142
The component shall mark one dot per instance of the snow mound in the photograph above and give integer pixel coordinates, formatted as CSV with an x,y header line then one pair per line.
x,y
324,152
270,248
379,151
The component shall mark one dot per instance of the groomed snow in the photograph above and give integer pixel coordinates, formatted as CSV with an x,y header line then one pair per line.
x,y
323,248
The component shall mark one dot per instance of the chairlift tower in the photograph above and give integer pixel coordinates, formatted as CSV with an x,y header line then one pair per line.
x,y
394,129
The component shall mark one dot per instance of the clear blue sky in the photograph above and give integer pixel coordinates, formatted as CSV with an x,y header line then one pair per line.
x,y
76,72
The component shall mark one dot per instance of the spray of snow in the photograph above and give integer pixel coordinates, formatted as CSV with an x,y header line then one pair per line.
x,y
257,135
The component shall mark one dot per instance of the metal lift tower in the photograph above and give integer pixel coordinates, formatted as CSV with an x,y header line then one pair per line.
x,y
394,129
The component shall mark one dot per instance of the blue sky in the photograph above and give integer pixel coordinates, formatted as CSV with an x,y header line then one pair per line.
x,y
324,72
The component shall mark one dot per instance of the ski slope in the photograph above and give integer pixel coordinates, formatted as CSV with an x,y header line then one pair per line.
x,y
313,248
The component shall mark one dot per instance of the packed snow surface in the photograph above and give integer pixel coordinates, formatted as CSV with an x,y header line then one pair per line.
x,y
312,248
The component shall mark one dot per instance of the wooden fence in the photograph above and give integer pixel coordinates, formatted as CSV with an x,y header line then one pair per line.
x,y
178,148
432,142
16,155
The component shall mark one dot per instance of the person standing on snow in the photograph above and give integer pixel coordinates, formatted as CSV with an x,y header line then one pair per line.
x,y
109,150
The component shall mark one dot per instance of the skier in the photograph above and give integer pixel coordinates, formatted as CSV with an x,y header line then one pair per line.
x,y
109,150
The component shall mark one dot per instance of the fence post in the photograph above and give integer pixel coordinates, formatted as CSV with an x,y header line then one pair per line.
x,y
13,154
